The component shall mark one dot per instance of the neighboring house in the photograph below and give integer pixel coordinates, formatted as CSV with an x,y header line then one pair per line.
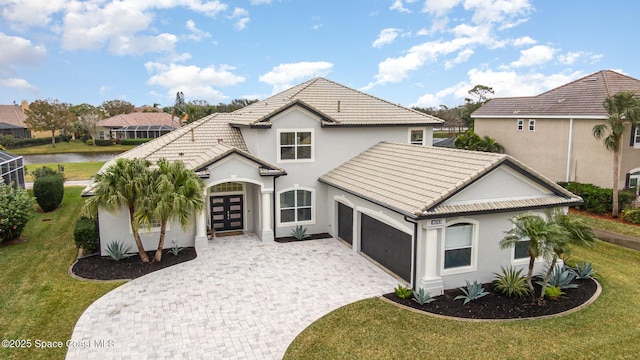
x,y
335,160
137,125
12,119
552,132
11,169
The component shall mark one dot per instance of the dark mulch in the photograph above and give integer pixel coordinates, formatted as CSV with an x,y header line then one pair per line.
x,y
103,268
311,237
498,306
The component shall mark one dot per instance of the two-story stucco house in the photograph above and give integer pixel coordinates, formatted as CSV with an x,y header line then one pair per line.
x,y
552,132
338,161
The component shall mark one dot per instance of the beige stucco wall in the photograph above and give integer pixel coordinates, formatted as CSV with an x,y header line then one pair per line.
x,y
546,149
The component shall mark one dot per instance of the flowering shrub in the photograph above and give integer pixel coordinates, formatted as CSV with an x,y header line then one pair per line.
x,y
16,208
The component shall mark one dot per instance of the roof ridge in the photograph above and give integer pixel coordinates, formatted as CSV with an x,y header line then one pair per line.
x,y
304,86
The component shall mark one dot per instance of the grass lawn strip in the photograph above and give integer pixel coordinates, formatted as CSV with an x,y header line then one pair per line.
x,y
374,329
39,300
73,146
72,170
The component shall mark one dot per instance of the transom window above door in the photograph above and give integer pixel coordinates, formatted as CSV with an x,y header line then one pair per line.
x,y
295,145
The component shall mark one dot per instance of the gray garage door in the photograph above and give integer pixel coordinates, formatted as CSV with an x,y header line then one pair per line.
x,y
387,245
345,223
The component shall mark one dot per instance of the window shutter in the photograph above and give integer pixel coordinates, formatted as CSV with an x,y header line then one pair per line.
x,y
626,180
632,140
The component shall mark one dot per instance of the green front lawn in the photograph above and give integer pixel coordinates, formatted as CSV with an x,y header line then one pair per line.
x,y
73,146
72,171
39,300
613,226
373,329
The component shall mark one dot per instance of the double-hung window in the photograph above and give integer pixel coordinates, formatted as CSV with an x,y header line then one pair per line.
x,y
296,206
532,125
520,124
459,247
294,145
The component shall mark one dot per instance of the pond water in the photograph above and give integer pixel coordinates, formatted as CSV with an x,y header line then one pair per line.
x,y
65,158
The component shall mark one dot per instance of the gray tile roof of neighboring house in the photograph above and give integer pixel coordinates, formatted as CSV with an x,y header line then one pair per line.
x,y
140,118
416,180
579,98
337,104
12,115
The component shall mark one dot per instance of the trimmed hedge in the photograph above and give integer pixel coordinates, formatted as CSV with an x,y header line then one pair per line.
x,y
20,143
134,141
48,191
107,142
598,200
85,234
16,208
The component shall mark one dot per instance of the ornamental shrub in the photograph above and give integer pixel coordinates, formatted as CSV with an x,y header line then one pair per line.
x,y
106,142
48,191
16,208
134,141
45,171
631,215
598,200
85,234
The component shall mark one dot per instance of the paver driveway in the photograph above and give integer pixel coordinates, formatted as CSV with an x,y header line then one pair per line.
x,y
239,299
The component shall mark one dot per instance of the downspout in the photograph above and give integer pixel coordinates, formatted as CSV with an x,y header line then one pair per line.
x,y
569,148
414,250
273,205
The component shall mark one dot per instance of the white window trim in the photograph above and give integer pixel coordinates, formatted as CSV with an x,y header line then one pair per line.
x,y
525,260
636,143
520,125
530,123
313,146
143,229
295,223
424,135
474,248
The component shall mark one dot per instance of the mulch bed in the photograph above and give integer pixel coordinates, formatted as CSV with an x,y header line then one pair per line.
x,y
498,306
288,239
103,268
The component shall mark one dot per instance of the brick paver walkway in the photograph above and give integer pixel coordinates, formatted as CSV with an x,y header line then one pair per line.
x,y
240,299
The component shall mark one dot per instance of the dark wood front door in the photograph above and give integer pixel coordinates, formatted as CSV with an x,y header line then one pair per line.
x,y
226,212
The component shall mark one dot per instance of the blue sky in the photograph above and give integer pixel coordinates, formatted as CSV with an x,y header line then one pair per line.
x,y
411,52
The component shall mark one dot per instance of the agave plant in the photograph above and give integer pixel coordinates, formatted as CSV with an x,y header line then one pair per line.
x,y
561,277
117,251
471,292
584,270
422,297
300,233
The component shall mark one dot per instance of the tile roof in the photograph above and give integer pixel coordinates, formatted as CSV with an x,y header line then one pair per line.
x,y
140,118
579,98
415,180
336,104
13,116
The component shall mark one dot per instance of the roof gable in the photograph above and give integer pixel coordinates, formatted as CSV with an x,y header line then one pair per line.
x,y
418,181
13,116
582,98
336,104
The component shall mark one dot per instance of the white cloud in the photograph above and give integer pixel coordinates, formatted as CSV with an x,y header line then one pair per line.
x,y
439,7
259,2
386,36
140,45
194,81
196,34
524,41
282,76
570,57
18,84
242,18
463,56
504,83
398,6
535,55
497,11
23,14
17,50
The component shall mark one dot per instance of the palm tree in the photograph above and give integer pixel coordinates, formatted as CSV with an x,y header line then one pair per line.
x,y
175,194
122,184
623,108
538,232
574,232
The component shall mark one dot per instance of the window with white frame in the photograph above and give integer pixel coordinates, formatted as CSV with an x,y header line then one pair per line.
x,y
520,124
636,137
521,249
296,206
532,125
295,145
101,135
416,136
458,245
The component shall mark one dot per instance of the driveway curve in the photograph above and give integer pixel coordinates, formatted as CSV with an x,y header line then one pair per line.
x,y
239,299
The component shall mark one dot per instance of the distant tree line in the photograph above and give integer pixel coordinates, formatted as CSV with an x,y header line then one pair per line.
x,y
81,120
